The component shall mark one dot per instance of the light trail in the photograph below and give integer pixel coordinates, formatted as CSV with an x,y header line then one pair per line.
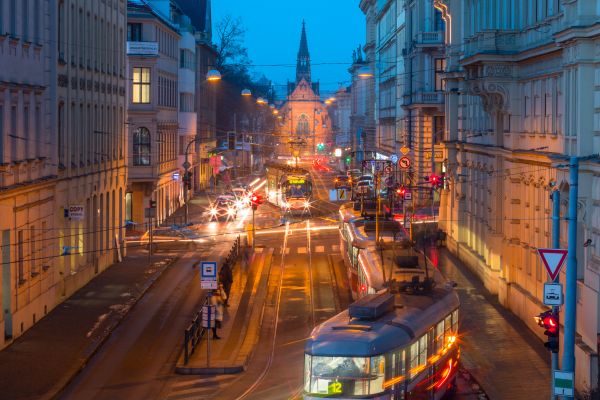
x,y
254,182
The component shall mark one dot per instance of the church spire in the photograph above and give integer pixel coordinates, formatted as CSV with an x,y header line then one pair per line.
x,y
303,64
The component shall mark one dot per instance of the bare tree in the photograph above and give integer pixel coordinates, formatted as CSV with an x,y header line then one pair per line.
x,y
231,51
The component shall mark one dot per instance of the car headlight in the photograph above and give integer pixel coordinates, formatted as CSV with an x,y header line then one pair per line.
x,y
213,211
306,204
230,211
239,204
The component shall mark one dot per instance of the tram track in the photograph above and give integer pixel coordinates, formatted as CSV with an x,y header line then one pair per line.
x,y
263,374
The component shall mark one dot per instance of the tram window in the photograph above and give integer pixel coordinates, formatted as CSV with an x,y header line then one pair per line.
x,y
448,324
455,321
418,356
439,336
345,376
306,373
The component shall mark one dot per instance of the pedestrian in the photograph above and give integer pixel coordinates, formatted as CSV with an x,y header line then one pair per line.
x,y
223,295
226,278
217,301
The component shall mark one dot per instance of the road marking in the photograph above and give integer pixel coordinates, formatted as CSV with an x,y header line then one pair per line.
x,y
301,250
335,248
319,249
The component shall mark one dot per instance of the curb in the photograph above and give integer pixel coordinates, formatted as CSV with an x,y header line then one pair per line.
x,y
57,389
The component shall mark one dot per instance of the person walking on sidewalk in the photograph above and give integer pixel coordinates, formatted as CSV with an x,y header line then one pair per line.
x,y
217,301
226,278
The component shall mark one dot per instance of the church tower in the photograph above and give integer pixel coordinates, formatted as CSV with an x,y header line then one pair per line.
x,y
303,63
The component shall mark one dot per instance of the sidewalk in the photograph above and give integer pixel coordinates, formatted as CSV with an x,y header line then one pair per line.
x,y
241,323
41,362
497,348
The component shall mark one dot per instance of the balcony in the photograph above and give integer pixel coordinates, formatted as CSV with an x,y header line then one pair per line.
x,y
430,39
424,99
491,42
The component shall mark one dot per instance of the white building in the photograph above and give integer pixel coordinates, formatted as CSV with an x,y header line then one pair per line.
x,y
522,91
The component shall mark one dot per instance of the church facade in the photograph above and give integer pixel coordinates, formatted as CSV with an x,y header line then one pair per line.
x,y
305,121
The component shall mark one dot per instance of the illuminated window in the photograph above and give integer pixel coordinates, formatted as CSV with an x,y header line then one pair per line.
x,y
141,85
303,127
141,146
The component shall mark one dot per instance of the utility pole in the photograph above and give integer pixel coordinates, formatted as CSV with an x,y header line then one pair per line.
x,y
555,245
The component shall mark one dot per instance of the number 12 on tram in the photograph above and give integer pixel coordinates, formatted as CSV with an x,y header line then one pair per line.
x,y
380,350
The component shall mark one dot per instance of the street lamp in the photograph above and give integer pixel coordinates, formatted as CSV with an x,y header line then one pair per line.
x,y
246,92
365,72
187,176
260,100
213,75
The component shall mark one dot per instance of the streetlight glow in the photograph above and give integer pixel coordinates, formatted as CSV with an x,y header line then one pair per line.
x,y
246,92
365,72
213,75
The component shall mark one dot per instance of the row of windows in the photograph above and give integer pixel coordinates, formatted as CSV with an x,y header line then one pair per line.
x,y
27,27
167,92
21,130
542,106
167,43
515,14
89,134
88,40
142,146
186,102
187,59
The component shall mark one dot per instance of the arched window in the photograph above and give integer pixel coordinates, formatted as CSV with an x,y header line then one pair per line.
x,y
141,146
303,127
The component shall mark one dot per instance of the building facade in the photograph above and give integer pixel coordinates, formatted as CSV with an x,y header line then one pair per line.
x,y
87,104
153,58
522,81
200,15
28,169
304,116
420,33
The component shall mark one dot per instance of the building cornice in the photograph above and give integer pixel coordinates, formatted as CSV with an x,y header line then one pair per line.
x,y
578,32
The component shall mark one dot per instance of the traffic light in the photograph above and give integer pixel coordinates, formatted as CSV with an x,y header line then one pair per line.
x,y
255,200
348,159
435,180
187,179
321,147
401,191
550,322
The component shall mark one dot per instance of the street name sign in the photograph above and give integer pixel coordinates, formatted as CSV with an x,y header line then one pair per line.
x,y
563,383
553,294
208,275
404,163
553,260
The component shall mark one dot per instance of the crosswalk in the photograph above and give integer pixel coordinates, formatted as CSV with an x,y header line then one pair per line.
x,y
199,387
318,249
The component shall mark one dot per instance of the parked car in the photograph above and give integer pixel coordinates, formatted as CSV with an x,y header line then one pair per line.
x,y
363,189
223,208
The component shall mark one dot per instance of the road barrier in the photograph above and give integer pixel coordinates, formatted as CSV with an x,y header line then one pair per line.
x,y
194,332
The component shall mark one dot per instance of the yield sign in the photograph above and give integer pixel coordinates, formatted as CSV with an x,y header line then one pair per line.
x,y
553,260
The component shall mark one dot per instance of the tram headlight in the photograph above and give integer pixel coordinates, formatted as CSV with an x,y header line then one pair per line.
x,y
231,212
213,211
306,204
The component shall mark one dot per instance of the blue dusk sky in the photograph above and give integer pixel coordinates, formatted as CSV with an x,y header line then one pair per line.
x,y
334,28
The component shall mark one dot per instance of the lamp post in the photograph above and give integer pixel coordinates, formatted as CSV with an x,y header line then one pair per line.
x,y
186,176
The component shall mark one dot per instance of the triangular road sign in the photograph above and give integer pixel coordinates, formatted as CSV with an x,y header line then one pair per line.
x,y
553,260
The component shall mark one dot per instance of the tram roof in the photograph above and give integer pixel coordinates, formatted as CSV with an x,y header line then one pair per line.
x,y
412,316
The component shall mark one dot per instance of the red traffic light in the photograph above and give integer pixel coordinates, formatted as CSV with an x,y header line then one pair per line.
x,y
255,199
400,191
551,325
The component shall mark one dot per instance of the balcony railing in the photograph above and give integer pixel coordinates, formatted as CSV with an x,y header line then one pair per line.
x,y
430,38
426,98
491,42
